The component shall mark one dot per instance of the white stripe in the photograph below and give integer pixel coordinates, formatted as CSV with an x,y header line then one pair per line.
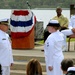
x,y
33,20
21,18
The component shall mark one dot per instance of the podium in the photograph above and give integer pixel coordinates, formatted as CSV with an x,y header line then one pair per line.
x,y
22,29
24,43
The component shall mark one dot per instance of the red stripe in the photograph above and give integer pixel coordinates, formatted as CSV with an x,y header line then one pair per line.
x,y
35,20
20,34
20,12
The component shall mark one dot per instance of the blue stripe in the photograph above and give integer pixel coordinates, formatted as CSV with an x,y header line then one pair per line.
x,y
21,23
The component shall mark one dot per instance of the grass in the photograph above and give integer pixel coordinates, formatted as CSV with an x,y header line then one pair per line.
x,y
42,41
72,39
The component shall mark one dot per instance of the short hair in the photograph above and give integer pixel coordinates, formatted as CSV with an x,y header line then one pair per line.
x,y
33,67
66,63
58,8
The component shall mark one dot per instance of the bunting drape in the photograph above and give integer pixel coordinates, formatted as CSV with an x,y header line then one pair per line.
x,y
21,23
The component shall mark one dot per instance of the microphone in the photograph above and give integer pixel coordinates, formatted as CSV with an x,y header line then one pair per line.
x,y
28,4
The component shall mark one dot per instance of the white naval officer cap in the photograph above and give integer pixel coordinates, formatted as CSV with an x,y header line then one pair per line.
x,y
54,23
4,22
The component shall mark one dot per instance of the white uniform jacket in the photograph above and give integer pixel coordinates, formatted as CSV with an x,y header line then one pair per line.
x,y
72,22
53,52
6,57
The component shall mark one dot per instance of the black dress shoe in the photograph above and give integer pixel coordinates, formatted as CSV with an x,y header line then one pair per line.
x,y
42,50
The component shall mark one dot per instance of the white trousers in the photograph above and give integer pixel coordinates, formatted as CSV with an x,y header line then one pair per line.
x,y
66,32
5,70
56,66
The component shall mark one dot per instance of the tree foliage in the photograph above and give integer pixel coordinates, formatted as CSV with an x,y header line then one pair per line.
x,y
22,4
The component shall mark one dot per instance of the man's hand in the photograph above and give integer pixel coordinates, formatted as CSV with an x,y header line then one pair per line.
x,y
50,68
73,30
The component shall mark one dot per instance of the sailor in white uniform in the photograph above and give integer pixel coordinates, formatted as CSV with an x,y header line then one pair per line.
x,y
53,49
70,30
6,58
71,27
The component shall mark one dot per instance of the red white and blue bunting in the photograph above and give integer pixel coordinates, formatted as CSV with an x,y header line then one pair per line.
x,y
21,23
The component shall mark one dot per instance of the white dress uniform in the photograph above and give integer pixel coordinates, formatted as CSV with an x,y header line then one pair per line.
x,y
53,52
71,25
6,57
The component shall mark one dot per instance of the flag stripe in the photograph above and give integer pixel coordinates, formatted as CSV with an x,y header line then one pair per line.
x,y
21,12
21,23
21,17
20,29
20,34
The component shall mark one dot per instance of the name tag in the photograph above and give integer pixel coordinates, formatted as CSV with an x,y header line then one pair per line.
x,y
4,39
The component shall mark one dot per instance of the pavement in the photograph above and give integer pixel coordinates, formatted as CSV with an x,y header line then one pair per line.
x,y
37,51
26,54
